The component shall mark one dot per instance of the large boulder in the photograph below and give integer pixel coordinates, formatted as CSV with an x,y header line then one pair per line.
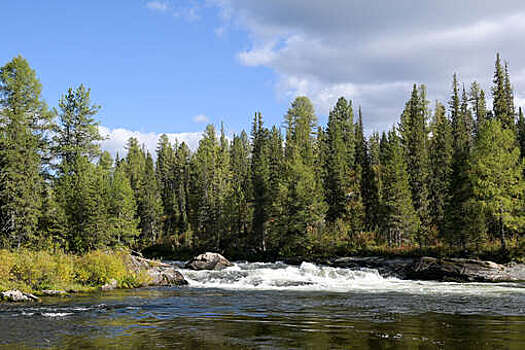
x,y
208,261
16,296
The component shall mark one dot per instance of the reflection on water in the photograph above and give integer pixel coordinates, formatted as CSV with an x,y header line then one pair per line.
x,y
415,315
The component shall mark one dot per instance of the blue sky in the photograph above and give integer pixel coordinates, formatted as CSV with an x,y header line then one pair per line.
x,y
169,66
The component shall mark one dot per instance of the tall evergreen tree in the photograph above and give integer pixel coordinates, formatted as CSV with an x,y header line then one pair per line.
x,y
165,175
24,124
460,187
305,203
503,101
414,137
441,166
76,133
497,177
342,179
401,220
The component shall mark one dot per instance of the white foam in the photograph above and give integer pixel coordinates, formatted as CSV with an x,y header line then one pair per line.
x,y
56,314
311,277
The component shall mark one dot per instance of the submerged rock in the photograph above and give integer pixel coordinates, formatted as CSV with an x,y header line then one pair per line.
x,y
437,269
17,296
208,261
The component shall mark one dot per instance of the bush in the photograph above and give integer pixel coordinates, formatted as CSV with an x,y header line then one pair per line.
x,y
98,267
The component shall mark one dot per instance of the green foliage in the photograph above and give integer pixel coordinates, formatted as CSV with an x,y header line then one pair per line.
x,y
496,176
457,179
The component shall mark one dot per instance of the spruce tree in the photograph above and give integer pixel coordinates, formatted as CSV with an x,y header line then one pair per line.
x,y
503,101
414,137
342,179
166,180
305,203
460,190
441,166
401,220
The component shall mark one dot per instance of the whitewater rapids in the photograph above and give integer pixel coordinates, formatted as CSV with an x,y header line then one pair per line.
x,y
311,277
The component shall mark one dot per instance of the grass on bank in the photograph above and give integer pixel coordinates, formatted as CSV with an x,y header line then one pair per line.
x,y
34,271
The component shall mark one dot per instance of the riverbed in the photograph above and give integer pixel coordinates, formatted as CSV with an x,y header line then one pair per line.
x,y
274,305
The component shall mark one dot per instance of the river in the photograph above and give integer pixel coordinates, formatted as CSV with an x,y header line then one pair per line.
x,y
277,306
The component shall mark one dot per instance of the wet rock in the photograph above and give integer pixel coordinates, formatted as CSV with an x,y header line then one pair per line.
x,y
17,296
112,284
437,269
161,274
208,261
459,270
52,292
166,276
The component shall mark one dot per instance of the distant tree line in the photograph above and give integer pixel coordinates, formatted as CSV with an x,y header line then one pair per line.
x,y
452,175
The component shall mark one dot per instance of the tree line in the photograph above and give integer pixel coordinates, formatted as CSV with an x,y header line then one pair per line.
x,y
451,174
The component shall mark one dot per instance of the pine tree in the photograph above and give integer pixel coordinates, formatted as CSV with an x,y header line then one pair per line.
x,y
496,176
204,197
479,107
122,210
503,104
401,220
305,203
521,132
238,204
150,204
24,125
414,138
76,133
182,187
373,183
441,166
166,179
343,193
460,187
260,176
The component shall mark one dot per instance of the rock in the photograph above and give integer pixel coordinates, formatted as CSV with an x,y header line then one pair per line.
x,y
16,296
459,270
208,261
112,284
52,292
428,268
162,276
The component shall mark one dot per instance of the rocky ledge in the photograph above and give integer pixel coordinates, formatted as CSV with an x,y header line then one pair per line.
x,y
437,269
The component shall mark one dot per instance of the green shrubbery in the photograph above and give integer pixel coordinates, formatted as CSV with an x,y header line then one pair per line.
x,y
33,271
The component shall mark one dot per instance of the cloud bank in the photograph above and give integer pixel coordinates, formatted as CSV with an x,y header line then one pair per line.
x,y
373,51
116,139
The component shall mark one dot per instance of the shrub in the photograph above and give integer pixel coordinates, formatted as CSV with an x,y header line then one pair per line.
x,y
99,267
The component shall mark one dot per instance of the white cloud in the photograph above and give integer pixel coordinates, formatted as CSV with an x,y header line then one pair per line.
x,y
160,6
116,139
201,118
372,52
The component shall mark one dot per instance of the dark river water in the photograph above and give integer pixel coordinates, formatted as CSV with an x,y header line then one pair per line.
x,y
276,306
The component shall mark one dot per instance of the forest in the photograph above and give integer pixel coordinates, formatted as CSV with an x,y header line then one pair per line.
x,y
447,177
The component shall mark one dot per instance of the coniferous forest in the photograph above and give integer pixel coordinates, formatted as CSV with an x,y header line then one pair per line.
x,y
447,177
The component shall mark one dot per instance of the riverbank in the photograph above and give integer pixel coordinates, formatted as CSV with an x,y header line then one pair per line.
x,y
42,273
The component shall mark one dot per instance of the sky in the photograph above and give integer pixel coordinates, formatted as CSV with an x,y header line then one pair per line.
x,y
172,66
